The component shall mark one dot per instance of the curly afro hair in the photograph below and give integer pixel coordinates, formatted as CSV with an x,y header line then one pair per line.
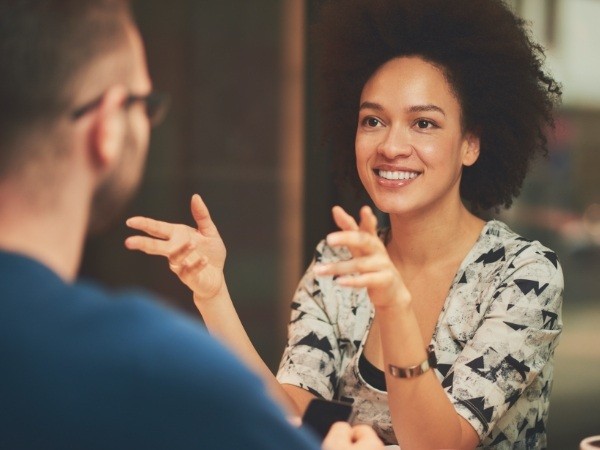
x,y
487,55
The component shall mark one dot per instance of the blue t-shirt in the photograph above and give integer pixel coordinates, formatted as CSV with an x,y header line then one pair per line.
x,y
84,369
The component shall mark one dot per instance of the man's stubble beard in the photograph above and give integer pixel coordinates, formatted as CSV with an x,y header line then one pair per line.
x,y
114,193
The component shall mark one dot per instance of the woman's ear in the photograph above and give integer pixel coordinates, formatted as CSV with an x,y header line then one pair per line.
x,y
471,149
109,130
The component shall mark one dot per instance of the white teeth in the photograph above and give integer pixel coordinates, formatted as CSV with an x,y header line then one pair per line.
x,y
389,175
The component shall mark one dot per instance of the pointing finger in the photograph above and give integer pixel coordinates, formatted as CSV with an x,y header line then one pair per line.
x,y
368,221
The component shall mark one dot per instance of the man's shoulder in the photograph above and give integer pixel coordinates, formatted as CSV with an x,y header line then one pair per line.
x,y
129,332
82,357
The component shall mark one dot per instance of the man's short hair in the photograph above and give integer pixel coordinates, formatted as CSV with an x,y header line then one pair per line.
x,y
44,45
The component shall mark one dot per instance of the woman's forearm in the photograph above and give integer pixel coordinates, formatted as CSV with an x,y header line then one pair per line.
x,y
222,321
422,414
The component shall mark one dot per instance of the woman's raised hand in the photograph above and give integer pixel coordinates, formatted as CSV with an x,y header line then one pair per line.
x,y
197,256
370,266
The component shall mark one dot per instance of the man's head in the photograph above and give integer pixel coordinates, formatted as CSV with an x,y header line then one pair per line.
x,y
73,82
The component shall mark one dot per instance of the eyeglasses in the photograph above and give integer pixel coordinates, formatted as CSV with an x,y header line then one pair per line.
x,y
156,106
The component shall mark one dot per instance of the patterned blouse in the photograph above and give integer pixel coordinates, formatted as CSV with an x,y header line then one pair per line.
x,y
494,340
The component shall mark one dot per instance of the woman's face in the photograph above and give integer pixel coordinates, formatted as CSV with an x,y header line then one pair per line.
x,y
410,148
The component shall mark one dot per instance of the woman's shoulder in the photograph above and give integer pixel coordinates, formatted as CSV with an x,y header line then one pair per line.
x,y
499,242
499,233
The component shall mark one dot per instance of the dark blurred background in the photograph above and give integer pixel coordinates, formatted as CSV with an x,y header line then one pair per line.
x,y
243,132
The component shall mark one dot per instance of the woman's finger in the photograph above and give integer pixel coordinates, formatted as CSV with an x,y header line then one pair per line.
x,y
363,264
193,268
179,255
148,245
156,228
368,221
339,436
202,217
364,434
343,220
371,280
356,241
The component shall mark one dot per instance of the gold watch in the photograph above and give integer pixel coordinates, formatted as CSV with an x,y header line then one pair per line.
x,y
415,371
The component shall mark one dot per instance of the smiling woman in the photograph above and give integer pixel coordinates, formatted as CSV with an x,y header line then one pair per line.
x,y
445,105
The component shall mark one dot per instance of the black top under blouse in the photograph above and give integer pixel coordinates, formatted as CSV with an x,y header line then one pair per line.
x,y
371,374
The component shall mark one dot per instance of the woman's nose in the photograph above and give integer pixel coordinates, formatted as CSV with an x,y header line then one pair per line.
x,y
396,143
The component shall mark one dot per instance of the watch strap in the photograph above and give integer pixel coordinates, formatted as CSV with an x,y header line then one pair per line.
x,y
415,371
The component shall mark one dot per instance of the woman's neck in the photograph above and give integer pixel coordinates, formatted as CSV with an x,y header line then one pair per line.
x,y
423,239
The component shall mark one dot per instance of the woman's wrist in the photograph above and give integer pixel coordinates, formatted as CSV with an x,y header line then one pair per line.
x,y
401,301
201,298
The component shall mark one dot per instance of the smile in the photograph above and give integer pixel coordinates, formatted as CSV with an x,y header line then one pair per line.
x,y
396,175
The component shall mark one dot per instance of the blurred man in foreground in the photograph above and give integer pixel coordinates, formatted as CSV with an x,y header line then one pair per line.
x,y
82,368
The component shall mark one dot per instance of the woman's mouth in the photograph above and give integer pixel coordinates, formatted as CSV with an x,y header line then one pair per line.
x,y
396,175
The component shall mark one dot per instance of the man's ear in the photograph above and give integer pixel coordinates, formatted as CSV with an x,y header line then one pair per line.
x,y
109,130
471,149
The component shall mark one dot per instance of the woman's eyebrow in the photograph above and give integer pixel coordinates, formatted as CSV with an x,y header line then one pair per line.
x,y
425,108
371,105
411,109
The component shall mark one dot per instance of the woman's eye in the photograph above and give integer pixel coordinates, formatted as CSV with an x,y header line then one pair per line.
x,y
371,122
423,124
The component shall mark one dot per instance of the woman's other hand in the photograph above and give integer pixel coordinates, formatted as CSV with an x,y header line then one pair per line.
x,y
197,256
370,266
342,436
